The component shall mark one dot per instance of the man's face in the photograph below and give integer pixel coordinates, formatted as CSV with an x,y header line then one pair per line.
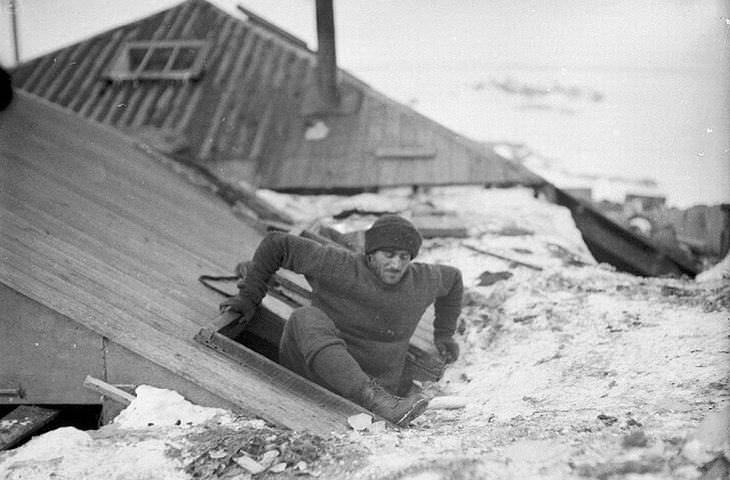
x,y
390,265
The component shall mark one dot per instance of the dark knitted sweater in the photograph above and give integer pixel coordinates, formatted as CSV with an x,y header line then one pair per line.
x,y
376,320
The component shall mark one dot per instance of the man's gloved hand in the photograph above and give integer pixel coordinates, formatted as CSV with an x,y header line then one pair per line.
x,y
447,348
238,304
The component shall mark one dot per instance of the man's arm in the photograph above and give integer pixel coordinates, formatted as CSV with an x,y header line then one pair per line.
x,y
447,309
276,250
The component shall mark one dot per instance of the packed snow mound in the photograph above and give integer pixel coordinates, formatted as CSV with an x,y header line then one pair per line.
x,y
721,271
160,407
139,444
54,444
68,453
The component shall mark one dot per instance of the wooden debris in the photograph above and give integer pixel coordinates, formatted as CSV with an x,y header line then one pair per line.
x,y
107,390
377,427
217,454
249,464
278,468
502,257
22,422
238,451
268,458
490,278
447,402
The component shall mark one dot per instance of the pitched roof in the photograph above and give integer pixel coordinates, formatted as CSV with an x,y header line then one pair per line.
x,y
101,233
249,115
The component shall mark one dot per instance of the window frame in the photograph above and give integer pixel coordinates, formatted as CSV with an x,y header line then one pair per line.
x,y
119,71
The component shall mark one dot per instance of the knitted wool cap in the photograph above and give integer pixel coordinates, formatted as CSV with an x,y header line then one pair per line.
x,y
392,232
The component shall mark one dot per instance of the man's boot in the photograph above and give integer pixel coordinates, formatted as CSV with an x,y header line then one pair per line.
x,y
399,410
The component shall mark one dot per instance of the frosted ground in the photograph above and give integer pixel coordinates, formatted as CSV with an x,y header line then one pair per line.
x,y
571,371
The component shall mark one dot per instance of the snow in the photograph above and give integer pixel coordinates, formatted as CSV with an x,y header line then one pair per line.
x,y
155,406
568,370
720,272
68,453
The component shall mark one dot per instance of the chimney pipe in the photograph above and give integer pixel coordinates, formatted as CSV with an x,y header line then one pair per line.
x,y
326,56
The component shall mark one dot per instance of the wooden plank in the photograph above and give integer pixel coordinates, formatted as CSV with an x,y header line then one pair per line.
x,y
22,422
503,257
108,390
278,374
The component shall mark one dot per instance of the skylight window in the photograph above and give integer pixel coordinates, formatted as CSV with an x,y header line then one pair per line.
x,y
159,60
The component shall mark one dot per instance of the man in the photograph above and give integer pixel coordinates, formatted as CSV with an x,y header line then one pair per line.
x,y
354,337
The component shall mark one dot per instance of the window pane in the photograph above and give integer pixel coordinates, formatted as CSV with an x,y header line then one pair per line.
x,y
185,58
158,59
135,57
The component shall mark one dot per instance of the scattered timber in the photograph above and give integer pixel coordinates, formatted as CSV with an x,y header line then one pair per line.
x,y
22,422
447,402
107,390
502,257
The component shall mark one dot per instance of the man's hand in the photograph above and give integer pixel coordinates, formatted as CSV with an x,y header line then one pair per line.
x,y
238,304
447,348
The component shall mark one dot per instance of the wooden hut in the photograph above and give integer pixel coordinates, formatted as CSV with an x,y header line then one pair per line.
x,y
228,90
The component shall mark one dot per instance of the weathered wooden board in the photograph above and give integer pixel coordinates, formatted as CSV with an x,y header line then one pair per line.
x,y
278,374
108,390
22,422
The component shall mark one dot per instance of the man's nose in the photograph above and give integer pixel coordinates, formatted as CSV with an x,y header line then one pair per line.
x,y
396,262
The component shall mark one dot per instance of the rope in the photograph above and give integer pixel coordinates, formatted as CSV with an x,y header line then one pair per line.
x,y
204,279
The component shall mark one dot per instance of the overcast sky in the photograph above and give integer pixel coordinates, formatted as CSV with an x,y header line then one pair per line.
x,y
375,33
431,53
